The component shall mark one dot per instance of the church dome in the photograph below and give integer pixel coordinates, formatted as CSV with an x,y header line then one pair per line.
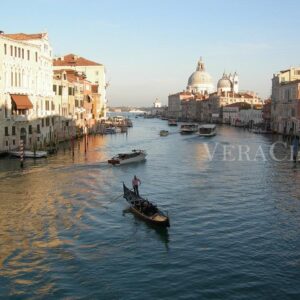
x,y
200,80
224,82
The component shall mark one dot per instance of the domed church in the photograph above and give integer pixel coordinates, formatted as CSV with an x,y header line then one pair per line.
x,y
200,82
228,83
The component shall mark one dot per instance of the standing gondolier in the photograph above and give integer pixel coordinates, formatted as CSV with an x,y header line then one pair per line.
x,y
135,184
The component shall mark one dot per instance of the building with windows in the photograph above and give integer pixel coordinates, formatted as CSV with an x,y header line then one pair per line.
x,y
285,109
92,71
26,96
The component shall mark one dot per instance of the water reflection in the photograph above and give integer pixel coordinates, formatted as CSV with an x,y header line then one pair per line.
x,y
162,233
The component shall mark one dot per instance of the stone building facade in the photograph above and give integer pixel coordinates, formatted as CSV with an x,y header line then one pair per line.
x,y
285,115
26,95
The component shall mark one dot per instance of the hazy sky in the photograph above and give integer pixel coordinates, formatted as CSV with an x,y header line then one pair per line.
x,y
150,48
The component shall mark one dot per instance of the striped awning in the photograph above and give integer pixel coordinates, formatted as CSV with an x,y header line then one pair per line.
x,y
21,101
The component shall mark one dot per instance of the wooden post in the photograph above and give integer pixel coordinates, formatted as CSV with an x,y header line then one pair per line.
x,y
72,143
21,154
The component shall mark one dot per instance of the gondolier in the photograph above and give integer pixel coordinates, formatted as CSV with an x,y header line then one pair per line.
x,y
135,184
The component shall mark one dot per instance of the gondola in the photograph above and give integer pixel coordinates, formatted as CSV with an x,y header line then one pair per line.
x,y
144,209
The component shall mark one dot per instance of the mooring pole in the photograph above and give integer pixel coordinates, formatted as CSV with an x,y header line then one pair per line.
x,y
21,154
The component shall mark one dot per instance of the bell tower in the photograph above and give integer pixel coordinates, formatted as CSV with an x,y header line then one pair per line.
x,y
235,83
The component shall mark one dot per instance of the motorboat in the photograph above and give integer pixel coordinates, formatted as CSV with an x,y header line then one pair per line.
x,y
126,158
164,133
110,130
261,131
172,122
188,128
145,210
207,130
29,154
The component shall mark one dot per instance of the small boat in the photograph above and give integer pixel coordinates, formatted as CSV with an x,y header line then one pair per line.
x,y
144,209
164,133
29,154
207,130
126,158
188,128
172,122
261,131
110,130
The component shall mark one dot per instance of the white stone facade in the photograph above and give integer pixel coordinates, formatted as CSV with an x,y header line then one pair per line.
x,y
25,69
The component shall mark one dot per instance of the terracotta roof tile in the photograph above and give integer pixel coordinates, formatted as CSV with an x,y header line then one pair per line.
x,y
73,60
24,36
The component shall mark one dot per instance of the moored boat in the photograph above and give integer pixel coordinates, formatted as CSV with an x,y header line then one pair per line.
x,y
207,130
126,158
144,209
188,128
172,122
29,154
164,133
110,130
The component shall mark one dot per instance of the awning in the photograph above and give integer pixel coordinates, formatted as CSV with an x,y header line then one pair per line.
x,y
21,101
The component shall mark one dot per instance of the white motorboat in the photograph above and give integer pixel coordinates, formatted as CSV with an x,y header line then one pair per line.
x,y
29,154
188,128
207,130
126,158
110,130
172,122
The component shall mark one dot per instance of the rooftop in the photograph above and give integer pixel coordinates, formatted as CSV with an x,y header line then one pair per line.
x,y
73,60
24,36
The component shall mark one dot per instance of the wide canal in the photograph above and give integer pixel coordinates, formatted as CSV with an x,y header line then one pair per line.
x,y
235,220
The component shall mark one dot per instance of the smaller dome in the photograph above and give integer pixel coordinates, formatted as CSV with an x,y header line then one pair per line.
x,y
224,82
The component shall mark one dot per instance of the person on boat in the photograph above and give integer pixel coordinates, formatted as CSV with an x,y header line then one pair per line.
x,y
135,184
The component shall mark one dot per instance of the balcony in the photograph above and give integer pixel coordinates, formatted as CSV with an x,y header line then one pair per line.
x,y
22,118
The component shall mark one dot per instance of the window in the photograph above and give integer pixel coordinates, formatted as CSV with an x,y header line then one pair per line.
x,y
28,54
19,52
13,130
6,131
16,51
11,50
38,128
36,56
76,103
47,122
53,120
30,129
52,106
60,90
5,49
47,105
71,91
54,88
22,53
14,142
65,77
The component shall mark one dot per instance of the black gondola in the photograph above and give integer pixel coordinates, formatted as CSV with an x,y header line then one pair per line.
x,y
145,209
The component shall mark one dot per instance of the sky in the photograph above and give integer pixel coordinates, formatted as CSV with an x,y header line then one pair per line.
x,y
150,48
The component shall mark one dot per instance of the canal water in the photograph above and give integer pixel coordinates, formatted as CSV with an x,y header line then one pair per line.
x,y
235,220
